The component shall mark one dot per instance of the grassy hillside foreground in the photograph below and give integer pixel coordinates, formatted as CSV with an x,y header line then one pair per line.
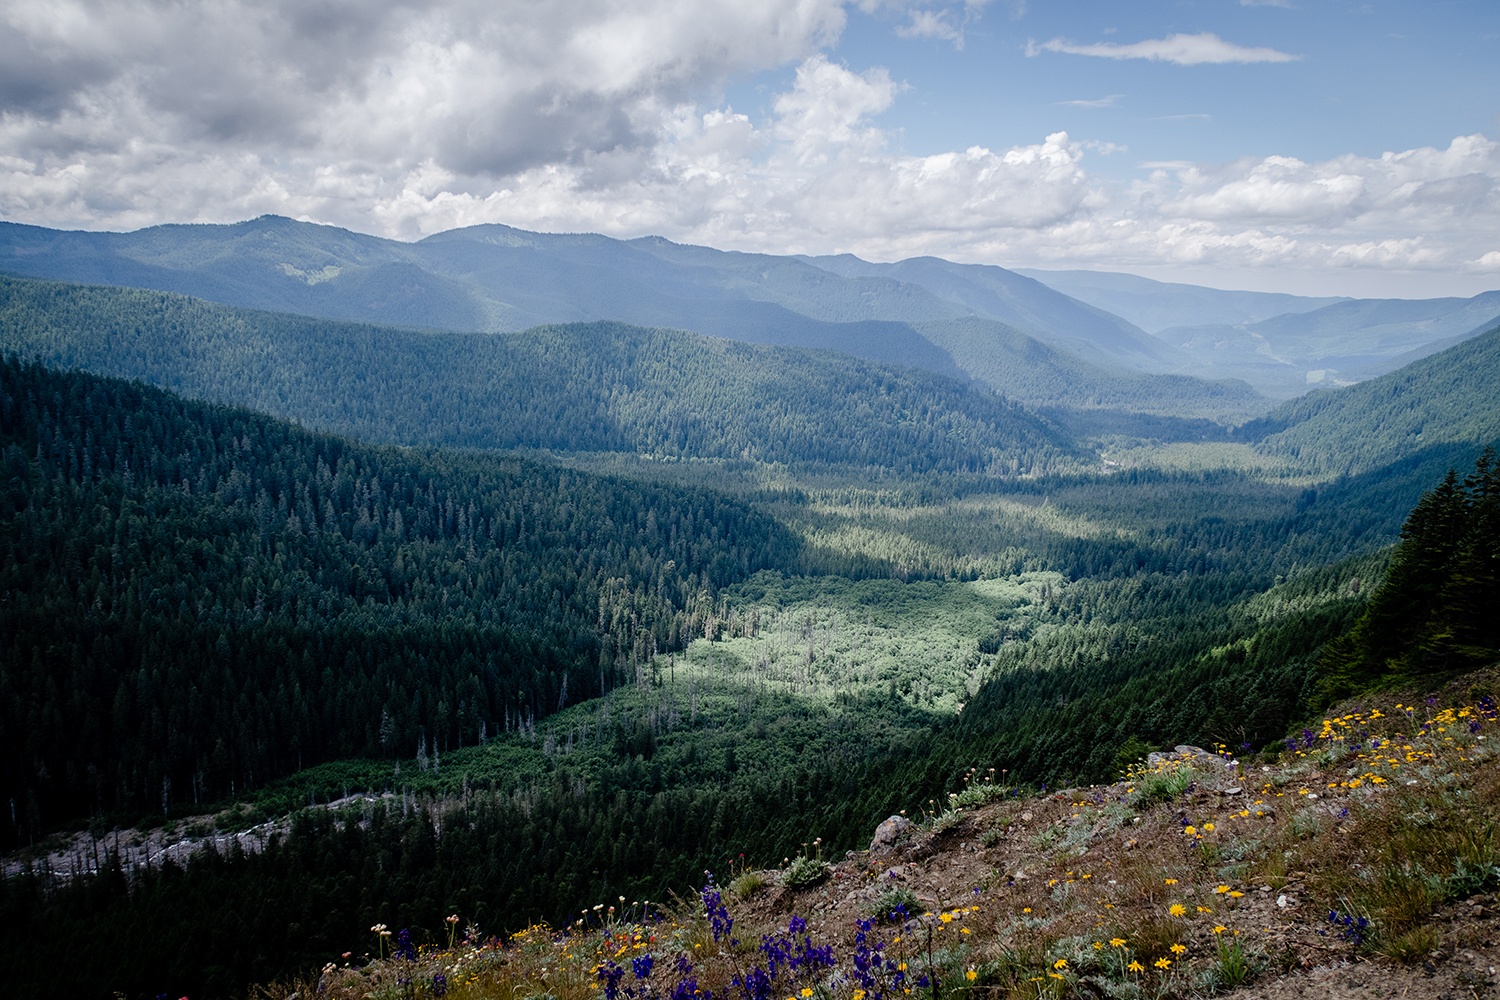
x,y
1355,860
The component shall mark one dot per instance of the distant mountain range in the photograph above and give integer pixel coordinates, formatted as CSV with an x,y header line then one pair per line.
x,y
1074,340
1016,335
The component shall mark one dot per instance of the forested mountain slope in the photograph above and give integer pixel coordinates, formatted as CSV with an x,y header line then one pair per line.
x,y
1448,397
495,278
199,598
594,387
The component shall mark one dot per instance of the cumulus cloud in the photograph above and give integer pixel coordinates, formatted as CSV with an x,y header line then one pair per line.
x,y
1184,50
484,88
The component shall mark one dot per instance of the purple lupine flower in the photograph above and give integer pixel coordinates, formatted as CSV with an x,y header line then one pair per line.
x,y
719,920
610,975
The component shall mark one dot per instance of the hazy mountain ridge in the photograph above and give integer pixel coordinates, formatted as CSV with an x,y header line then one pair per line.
x,y
1283,344
1155,306
1024,303
1042,375
499,279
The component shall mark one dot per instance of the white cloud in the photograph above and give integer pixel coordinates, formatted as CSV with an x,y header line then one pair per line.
x,y
1108,101
943,20
932,24
828,105
1184,50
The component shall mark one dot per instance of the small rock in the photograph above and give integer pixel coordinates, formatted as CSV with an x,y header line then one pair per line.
x,y
1026,817
1285,900
1233,791
890,831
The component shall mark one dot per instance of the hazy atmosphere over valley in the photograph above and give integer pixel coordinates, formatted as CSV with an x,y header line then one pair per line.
x,y
988,499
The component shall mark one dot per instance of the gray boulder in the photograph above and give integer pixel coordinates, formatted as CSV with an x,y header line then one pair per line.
x,y
891,830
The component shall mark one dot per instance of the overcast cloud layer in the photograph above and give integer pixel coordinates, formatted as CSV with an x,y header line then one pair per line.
x,y
406,118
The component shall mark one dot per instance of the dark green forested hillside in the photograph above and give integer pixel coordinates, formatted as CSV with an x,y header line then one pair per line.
x,y
596,387
194,599
1449,396
1436,612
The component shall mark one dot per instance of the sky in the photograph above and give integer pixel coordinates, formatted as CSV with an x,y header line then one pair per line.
x,y
1310,146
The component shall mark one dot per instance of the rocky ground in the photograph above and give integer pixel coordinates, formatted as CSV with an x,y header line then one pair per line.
x,y
84,852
